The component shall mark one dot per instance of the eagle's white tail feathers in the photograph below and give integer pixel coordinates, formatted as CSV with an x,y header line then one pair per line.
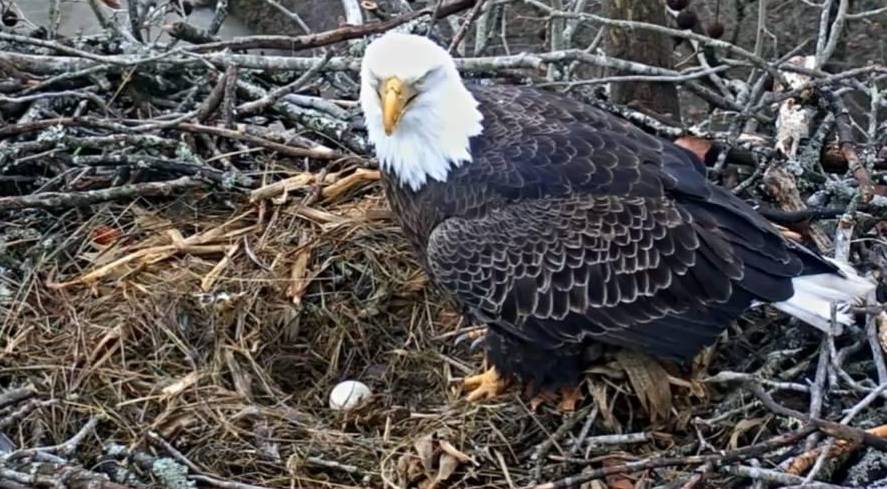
x,y
814,295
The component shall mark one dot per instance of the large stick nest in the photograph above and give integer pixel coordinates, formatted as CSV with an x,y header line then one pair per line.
x,y
195,248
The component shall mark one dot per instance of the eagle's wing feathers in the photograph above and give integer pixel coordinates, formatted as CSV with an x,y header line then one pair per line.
x,y
536,140
631,271
598,228
554,146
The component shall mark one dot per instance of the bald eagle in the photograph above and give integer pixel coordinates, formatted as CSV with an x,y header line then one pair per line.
x,y
558,224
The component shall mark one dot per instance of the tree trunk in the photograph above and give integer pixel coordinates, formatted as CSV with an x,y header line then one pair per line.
x,y
643,47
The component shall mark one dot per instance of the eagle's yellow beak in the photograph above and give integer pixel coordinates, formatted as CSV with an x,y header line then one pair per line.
x,y
394,99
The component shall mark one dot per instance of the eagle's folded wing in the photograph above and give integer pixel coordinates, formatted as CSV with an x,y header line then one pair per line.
x,y
627,271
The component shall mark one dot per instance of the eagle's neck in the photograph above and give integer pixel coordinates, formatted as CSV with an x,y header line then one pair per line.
x,y
433,137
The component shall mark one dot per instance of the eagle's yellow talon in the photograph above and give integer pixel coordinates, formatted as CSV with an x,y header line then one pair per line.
x,y
569,399
540,399
485,386
476,333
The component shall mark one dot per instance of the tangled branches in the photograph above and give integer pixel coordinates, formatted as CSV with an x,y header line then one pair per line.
x,y
194,249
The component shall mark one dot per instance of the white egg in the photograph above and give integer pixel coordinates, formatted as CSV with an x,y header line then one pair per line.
x,y
348,394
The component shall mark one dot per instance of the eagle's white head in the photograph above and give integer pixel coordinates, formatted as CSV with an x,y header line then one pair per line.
x,y
419,115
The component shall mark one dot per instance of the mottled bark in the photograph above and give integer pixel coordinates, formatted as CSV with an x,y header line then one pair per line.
x,y
644,47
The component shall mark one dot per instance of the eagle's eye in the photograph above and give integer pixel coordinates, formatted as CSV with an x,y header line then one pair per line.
x,y
421,83
375,81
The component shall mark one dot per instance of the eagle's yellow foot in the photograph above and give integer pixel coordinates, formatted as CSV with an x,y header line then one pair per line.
x,y
540,399
569,398
476,333
476,336
485,386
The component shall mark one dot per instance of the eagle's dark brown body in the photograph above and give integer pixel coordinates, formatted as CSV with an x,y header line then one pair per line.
x,y
571,225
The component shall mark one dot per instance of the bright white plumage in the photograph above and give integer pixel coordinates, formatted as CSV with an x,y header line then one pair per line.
x,y
813,296
436,114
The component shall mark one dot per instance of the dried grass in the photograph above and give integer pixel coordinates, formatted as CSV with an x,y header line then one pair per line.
x,y
230,369
222,331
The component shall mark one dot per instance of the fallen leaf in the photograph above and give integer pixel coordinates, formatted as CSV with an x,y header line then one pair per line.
x,y
425,448
698,146
649,381
599,395
409,469
105,235
436,460
447,465
112,3
788,233
617,481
